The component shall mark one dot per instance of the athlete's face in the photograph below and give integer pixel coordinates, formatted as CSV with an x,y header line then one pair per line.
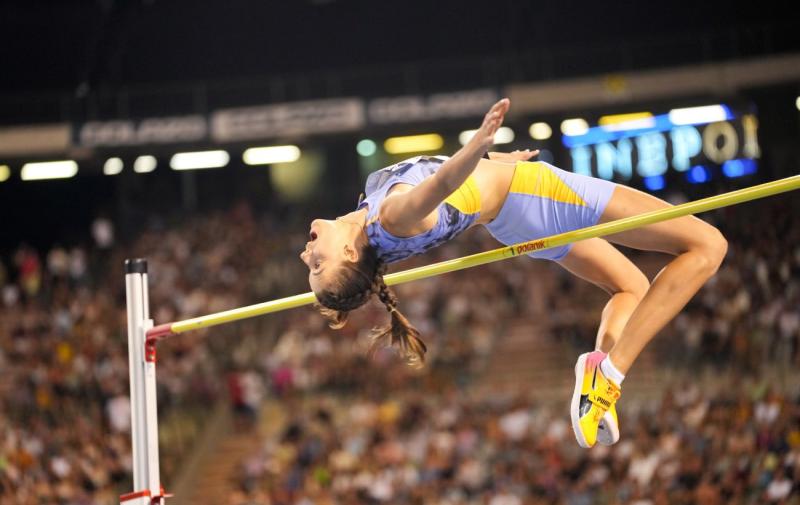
x,y
332,243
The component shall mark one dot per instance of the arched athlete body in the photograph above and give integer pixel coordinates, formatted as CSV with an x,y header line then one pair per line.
x,y
425,201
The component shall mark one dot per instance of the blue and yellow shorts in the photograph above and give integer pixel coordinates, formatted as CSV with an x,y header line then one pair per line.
x,y
544,200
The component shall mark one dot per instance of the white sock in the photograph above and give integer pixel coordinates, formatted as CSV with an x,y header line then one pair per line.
x,y
611,372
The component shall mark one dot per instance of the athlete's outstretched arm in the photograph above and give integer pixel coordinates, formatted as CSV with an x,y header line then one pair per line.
x,y
405,210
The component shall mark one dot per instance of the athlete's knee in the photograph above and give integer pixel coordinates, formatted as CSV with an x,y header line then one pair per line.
x,y
635,284
638,285
717,247
712,249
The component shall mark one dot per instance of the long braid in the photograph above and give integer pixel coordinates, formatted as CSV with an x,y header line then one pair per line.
x,y
382,290
400,332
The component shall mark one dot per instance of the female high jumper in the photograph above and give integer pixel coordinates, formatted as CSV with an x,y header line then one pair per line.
x,y
423,202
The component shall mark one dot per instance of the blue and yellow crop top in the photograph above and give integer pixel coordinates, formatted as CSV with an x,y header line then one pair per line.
x,y
457,213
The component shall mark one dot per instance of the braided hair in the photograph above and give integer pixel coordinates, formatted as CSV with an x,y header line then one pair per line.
x,y
356,284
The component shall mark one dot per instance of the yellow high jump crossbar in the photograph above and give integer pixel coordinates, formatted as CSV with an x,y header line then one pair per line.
x,y
706,204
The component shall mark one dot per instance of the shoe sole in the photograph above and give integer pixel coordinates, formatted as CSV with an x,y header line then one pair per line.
x,y
574,413
608,432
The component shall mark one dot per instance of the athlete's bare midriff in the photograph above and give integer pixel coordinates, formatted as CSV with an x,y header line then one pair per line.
x,y
493,179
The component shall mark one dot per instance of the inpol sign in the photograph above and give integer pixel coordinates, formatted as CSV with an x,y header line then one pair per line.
x,y
652,146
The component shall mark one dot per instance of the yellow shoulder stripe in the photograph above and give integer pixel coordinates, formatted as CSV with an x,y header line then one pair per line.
x,y
534,178
467,198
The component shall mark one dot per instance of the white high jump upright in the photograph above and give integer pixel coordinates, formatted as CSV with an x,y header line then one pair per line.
x,y
147,489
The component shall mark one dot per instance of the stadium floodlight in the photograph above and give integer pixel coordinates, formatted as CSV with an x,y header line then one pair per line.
x,y
413,143
636,124
145,164
540,131
700,115
575,126
198,160
623,118
504,135
5,173
113,166
271,155
466,136
49,170
626,122
366,147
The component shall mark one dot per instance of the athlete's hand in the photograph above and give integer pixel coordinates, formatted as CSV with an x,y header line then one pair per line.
x,y
513,156
491,122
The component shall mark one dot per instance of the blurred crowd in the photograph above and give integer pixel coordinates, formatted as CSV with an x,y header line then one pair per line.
x,y
737,445
65,414
64,405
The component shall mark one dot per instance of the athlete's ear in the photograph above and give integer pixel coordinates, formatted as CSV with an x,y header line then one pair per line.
x,y
350,253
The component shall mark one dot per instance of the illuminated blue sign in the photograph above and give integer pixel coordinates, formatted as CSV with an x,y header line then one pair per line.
x,y
685,140
738,168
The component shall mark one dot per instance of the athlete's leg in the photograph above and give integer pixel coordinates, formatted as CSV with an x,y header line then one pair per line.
x,y
600,263
699,247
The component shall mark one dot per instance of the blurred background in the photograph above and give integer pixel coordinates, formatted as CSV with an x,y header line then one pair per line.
x,y
204,135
